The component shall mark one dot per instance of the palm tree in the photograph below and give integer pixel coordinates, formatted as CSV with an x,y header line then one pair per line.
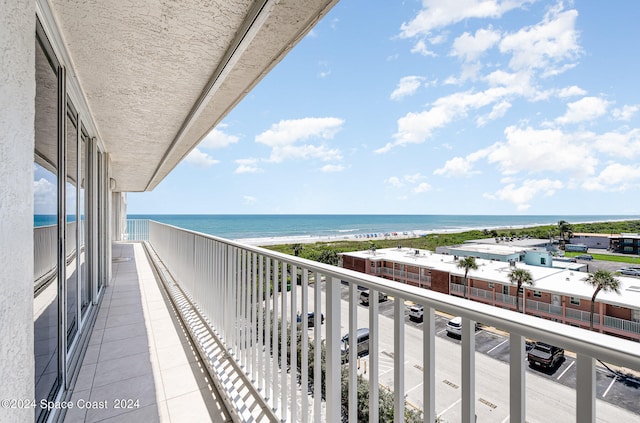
x,y
565,229
297,248
466,264
520,277
601,280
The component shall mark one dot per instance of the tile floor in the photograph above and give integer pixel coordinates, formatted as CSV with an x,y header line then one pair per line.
x,y
139,358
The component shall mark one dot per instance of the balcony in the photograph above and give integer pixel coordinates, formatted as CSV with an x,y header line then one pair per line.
x,y
232,358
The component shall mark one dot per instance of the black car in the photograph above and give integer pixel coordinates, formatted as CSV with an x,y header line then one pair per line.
x,y
311,319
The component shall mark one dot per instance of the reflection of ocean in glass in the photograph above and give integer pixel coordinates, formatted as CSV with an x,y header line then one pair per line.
x,y
46,314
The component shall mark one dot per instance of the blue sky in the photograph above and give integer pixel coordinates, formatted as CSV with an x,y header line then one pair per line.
x,y
432,107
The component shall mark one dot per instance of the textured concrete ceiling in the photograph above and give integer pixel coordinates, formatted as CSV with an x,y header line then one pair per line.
x,y
159,74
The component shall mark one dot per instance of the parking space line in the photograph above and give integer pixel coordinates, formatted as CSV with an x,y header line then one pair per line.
x,y
501,343
565,370
506,419
449,407
415,387
443,330
610,385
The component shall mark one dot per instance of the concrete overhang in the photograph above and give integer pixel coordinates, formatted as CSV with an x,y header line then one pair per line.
x,y
157,76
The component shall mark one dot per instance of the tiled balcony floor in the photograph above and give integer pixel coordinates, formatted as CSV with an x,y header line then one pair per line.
x,y
138,351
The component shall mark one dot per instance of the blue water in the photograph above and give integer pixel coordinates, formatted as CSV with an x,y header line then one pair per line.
x,y
299,226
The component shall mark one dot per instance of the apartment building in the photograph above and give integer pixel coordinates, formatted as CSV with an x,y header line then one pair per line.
x,y
558,293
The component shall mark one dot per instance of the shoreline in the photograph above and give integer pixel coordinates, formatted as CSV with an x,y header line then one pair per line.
x,y
400,235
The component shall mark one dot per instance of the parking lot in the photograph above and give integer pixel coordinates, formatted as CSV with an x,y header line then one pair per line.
x,y
615,388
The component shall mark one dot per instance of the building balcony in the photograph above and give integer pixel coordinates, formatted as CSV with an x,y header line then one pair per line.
x,y
197,327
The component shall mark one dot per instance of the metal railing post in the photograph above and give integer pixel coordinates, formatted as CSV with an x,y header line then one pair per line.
x,y
333,351
517,393
585,389
468,370
429,364
398,358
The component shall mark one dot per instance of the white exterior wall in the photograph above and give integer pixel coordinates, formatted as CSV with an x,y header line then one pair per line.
x,y
17,114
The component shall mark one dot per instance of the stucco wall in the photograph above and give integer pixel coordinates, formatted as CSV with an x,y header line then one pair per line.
x,y
17,92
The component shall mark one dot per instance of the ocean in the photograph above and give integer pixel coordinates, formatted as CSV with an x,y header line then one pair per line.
x,y
305,227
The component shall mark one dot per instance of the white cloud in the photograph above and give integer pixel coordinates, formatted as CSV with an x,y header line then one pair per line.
x,y
407,86
587,108
470,47
247,166
619,144
249,200
626,113
332,168
412,181
614,177
284,138
544,45
498,111
324,69
394,181
45,197
458,166
416,177
415,128
521,196
440,13
218,139
572,91
421,48
542,150
199,158
422,187
462,166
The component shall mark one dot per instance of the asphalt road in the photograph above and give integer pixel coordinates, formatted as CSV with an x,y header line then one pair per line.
x,y
543,388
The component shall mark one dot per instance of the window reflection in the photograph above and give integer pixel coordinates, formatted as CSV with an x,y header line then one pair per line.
x,y
45,233
85,297
71,160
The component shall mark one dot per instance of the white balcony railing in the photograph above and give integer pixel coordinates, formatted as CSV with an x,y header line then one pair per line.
x,y
481,293
506,299
621,324
583,316
137,230
545,307
239,290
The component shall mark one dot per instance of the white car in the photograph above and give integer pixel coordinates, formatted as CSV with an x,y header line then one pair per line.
x,y
629,271
416,312
454,326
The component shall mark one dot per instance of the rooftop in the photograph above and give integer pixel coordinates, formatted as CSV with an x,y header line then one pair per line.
x,y
556,281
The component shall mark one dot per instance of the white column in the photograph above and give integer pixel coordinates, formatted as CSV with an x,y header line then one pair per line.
x,y
398,358
429,364
585,389
468,370
317,351
353,350
374,403
304,349
333,350
517,392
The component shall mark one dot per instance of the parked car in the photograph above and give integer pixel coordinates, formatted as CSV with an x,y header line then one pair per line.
x,y
363,344
364,297
629,271
416,312
454,326
584,257
311,319
545,356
